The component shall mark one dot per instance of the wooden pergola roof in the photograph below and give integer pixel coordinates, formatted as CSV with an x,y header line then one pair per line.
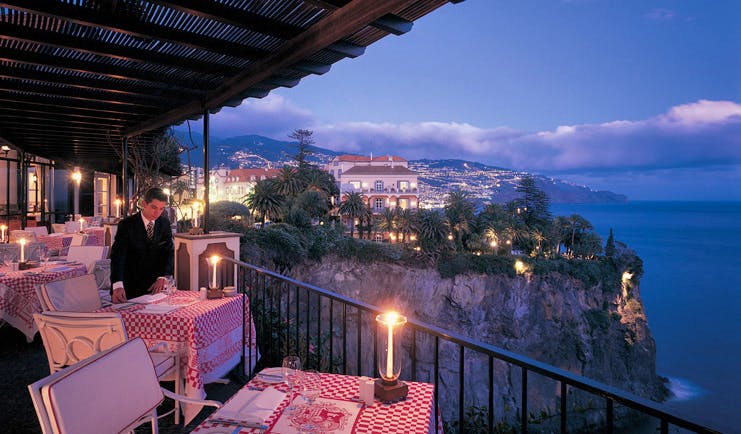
x,y
78,76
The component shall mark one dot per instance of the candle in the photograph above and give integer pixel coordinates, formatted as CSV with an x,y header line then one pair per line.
x,y
214,261
23,249
2,229
82,223
391,318
118,208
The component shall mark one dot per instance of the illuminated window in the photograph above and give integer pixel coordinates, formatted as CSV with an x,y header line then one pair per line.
x,y
379,185
379,204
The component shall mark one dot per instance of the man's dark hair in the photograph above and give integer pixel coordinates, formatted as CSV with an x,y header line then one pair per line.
x,y
155,193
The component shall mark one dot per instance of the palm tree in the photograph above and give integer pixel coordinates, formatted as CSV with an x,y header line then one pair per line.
x,y
387,220
289,181
577,225
538,236
265,200
459,212
353,207
405,223
313,202
431,230
558,229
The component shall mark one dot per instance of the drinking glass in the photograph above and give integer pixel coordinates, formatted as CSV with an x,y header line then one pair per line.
x,y
311,386
44,257
291,376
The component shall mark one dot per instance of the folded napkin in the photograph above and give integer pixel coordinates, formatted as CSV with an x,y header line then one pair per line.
x,y
271,375
252,406
149,298
58,269
158,309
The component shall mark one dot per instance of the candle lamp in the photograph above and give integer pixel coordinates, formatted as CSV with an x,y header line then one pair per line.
x,y
388,388
3,228
214,287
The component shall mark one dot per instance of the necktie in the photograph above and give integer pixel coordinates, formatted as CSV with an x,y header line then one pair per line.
x,y
150,230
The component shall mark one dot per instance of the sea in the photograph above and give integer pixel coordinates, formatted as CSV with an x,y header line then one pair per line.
x,y
691,290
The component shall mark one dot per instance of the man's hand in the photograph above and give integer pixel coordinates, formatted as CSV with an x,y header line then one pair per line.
x,y
158,286
118,296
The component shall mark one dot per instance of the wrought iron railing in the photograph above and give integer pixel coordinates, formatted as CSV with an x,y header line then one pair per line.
x,y
335,333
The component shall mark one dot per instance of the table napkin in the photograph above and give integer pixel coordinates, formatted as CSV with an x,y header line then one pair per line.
x,y
159,309
148,298
251,405
58,269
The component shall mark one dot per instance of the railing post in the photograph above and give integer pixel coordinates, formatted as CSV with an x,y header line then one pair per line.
x,y
523,418
610,416
563,406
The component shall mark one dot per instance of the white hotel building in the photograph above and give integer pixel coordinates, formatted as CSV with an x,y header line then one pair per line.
x,y
385,182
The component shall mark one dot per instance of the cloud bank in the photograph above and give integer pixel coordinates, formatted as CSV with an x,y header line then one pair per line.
x,y
687,142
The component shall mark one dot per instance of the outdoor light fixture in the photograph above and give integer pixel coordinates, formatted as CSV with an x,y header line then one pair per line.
x,y
519,267
77,176
388,388
118,207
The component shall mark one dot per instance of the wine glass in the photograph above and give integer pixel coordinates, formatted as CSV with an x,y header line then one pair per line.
x,y
311,386
291,370
44,257
310,389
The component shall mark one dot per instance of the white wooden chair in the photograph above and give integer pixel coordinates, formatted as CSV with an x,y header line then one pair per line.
x,y
38,230
16,235
70,337
119,390
72,227
57,228
78,239
76,294
87,255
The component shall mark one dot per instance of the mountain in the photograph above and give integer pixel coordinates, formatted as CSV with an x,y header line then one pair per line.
x,y
249,151
495,184
436,177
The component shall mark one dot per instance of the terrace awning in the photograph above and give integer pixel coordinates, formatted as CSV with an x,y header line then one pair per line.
x,y
78,76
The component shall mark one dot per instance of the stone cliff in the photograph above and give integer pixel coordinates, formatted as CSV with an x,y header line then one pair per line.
x,y
588,330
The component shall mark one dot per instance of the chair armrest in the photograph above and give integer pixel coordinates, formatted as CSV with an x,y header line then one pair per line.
x,y
159,345
181,398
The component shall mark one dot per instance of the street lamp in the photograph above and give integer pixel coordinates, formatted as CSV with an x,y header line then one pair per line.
x,y
77,177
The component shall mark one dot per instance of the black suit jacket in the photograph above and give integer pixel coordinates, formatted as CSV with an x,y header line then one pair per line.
x,y
138,261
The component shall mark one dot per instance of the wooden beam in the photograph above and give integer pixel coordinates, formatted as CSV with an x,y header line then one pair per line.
x,y
119,23
336,26
82,95
57,120
235,17
172,81
389,23
100,48
100,85
58,113
90,106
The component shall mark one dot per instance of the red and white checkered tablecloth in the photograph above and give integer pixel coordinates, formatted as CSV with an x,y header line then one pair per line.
x,y
207,334
412,415
59,242
95,236
18,299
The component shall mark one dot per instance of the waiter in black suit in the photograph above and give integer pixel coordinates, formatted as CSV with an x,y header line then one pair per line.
x,y
142,255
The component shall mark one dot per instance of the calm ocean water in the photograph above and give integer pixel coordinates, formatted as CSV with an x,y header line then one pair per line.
x,y
691,290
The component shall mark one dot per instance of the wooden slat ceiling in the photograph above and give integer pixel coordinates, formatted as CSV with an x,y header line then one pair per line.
x,y
78,76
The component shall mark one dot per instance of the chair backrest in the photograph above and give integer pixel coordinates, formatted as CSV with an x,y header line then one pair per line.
x,y
76,294
111,392
9,252
78,239
57,228
87,255
72,227
70,337
38,230
16,235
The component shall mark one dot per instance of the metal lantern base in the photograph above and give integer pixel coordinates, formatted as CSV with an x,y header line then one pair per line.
x,y
391,391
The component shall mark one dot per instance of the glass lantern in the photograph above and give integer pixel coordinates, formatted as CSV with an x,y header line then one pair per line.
x,y
389,346
214,272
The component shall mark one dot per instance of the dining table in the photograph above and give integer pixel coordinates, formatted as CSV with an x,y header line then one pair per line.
x,y
57,243
207,333
18,299
338,410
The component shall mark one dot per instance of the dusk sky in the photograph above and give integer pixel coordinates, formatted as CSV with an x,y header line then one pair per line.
x,y
638,97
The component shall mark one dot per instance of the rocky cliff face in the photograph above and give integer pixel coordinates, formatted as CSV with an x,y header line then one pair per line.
x,y
554,319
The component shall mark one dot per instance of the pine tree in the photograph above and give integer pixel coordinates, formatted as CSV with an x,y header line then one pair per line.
x,y
610,246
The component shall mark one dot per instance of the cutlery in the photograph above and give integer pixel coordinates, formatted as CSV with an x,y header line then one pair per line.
x,y
243,424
